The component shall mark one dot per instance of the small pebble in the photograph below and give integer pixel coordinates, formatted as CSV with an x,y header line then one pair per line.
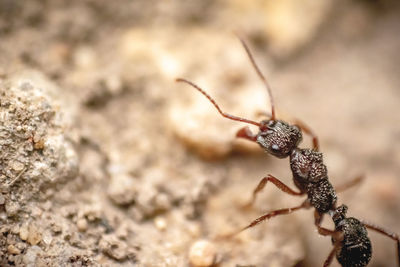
x,y
11,258
114,248
56,228
162,201
30,256
122,189
202,253
84,57
113,84
47,237
12,208
21,246
34,236
47,205
36,212
82,225
17,166
39,145
23,233
13,250
194,229
15,230
160,223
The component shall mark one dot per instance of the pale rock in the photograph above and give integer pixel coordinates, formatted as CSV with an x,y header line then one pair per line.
x,y
202,253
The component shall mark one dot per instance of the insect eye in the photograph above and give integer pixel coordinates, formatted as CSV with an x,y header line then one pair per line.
x,y
275,147
271,123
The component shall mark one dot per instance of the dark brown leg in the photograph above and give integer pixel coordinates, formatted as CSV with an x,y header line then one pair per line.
x,y
328,260
385,232
246,134
277,183
308,131
351,183
271,214
321,230
337,236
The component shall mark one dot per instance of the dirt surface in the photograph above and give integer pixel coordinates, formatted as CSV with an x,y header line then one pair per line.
x,y
106,161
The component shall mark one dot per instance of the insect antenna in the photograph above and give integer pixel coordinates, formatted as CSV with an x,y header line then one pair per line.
x,y
226,115
271,99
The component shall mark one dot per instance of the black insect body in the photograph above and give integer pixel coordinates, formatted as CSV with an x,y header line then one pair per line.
x,y
355,250
281,139
352,246
307,166
322,196
310,175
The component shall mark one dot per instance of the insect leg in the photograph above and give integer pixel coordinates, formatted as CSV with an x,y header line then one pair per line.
x,y
246,134
321,230
304,205
336,235
328,260
277,183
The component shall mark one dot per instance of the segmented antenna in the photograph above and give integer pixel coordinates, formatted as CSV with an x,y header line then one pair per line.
x,y
226,115
271,99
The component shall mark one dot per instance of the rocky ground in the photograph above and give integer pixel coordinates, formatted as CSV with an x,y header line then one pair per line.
x,y
106,161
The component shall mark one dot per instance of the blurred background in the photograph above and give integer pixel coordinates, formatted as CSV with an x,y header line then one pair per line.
x,y
160,169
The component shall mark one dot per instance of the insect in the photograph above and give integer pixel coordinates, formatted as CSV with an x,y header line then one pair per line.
x,y
281,139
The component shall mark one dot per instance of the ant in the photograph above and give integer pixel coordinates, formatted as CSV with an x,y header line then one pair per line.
x,y
281,139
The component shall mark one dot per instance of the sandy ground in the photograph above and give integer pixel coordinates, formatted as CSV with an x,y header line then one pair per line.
x,y
106,161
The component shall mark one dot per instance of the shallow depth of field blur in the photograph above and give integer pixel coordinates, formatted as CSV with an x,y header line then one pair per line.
x,y
157,168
